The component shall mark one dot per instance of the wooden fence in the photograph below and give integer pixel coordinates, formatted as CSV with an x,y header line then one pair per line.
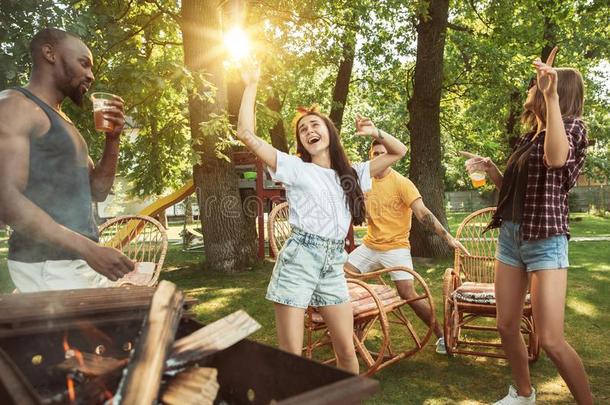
x,y
581,199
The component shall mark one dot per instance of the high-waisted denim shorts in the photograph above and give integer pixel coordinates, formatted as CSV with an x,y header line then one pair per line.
x,y
309,271
531,255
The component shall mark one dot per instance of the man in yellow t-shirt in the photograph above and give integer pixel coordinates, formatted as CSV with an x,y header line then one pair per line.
x,y
389,207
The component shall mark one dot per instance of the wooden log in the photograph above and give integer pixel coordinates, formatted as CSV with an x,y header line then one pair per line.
x,y
14,387
92,365
196,385
142,378
212,338
41,312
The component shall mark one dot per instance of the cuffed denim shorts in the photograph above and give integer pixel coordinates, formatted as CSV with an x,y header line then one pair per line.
x,y
309,271
531,255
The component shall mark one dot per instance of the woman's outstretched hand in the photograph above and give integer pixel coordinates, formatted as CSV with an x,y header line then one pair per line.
x,y
365,127
546,79
546,75
476,162
250,73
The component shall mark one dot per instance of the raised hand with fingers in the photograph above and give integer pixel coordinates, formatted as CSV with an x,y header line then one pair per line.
x,y
546,75
546,79
550,60
251,73
365,127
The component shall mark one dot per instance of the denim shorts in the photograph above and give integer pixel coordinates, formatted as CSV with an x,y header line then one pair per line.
x,y
309,271
531,255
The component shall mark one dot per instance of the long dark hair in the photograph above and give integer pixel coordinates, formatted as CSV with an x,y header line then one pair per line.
x,y
339,163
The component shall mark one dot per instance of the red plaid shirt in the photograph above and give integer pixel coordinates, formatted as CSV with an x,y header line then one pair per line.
x,y
545,209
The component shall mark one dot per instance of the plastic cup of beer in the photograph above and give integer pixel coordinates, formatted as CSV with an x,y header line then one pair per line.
x,y
478,178
101,101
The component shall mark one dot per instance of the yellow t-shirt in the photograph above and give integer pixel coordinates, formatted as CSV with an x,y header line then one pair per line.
x,y
388,210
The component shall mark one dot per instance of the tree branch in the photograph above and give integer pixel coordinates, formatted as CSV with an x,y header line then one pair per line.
x,y
474,8
128,36
165,43
124,13
457,27
173,14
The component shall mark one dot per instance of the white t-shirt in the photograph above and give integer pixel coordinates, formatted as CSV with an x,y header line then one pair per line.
x,y
318,204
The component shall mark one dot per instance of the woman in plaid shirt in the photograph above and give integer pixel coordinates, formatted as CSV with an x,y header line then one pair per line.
x,y
532,214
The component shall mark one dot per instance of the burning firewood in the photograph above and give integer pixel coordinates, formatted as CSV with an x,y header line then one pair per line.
x,y
192,386
92,365
214,337
142,378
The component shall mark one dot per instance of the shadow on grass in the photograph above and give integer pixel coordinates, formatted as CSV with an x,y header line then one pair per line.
x,y
220,294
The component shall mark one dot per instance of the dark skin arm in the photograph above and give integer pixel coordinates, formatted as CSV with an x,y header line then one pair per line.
x,y
19,121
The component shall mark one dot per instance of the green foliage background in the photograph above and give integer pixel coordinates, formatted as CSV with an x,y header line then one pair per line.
x,y
489,50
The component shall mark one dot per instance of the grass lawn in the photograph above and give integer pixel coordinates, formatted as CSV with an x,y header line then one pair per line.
x,y
427,377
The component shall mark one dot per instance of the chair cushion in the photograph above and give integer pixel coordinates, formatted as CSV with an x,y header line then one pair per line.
x,y
357,292
363,302
478,293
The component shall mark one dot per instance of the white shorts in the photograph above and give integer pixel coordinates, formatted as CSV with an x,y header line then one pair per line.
x,y
366,260
55,275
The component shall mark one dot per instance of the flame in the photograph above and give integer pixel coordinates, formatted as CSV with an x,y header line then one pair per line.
x,y
65,342
79,357
71,393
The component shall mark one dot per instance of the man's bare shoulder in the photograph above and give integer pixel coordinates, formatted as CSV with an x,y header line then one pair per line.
x,y
18,114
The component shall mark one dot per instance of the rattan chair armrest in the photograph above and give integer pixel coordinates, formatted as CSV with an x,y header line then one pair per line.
x,y
378,273
451,281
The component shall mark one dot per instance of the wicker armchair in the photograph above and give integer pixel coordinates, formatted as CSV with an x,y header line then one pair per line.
x,y
142,239
469,298
383,333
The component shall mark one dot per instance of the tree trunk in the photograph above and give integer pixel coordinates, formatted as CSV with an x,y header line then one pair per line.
x,y
229,246
424,125
278,132
549,33
188,211
344,75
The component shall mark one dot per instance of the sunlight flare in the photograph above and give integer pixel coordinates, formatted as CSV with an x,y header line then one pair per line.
x,y
236,41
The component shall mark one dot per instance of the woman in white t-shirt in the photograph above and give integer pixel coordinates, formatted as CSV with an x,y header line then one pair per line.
x,y
325,194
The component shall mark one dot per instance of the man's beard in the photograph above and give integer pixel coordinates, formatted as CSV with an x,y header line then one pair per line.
x,y
68,89
75,95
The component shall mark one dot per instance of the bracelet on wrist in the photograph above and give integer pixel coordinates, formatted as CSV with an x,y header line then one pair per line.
x,y
379,134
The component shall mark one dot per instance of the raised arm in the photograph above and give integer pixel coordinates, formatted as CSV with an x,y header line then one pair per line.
x,y
556,144
432,225
102,175
18,122
396,150
246,122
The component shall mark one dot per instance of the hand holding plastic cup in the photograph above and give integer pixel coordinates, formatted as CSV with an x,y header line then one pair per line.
x,y
101,102
476,172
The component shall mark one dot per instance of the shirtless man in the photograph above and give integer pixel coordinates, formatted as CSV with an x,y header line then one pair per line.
x,y
47,179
